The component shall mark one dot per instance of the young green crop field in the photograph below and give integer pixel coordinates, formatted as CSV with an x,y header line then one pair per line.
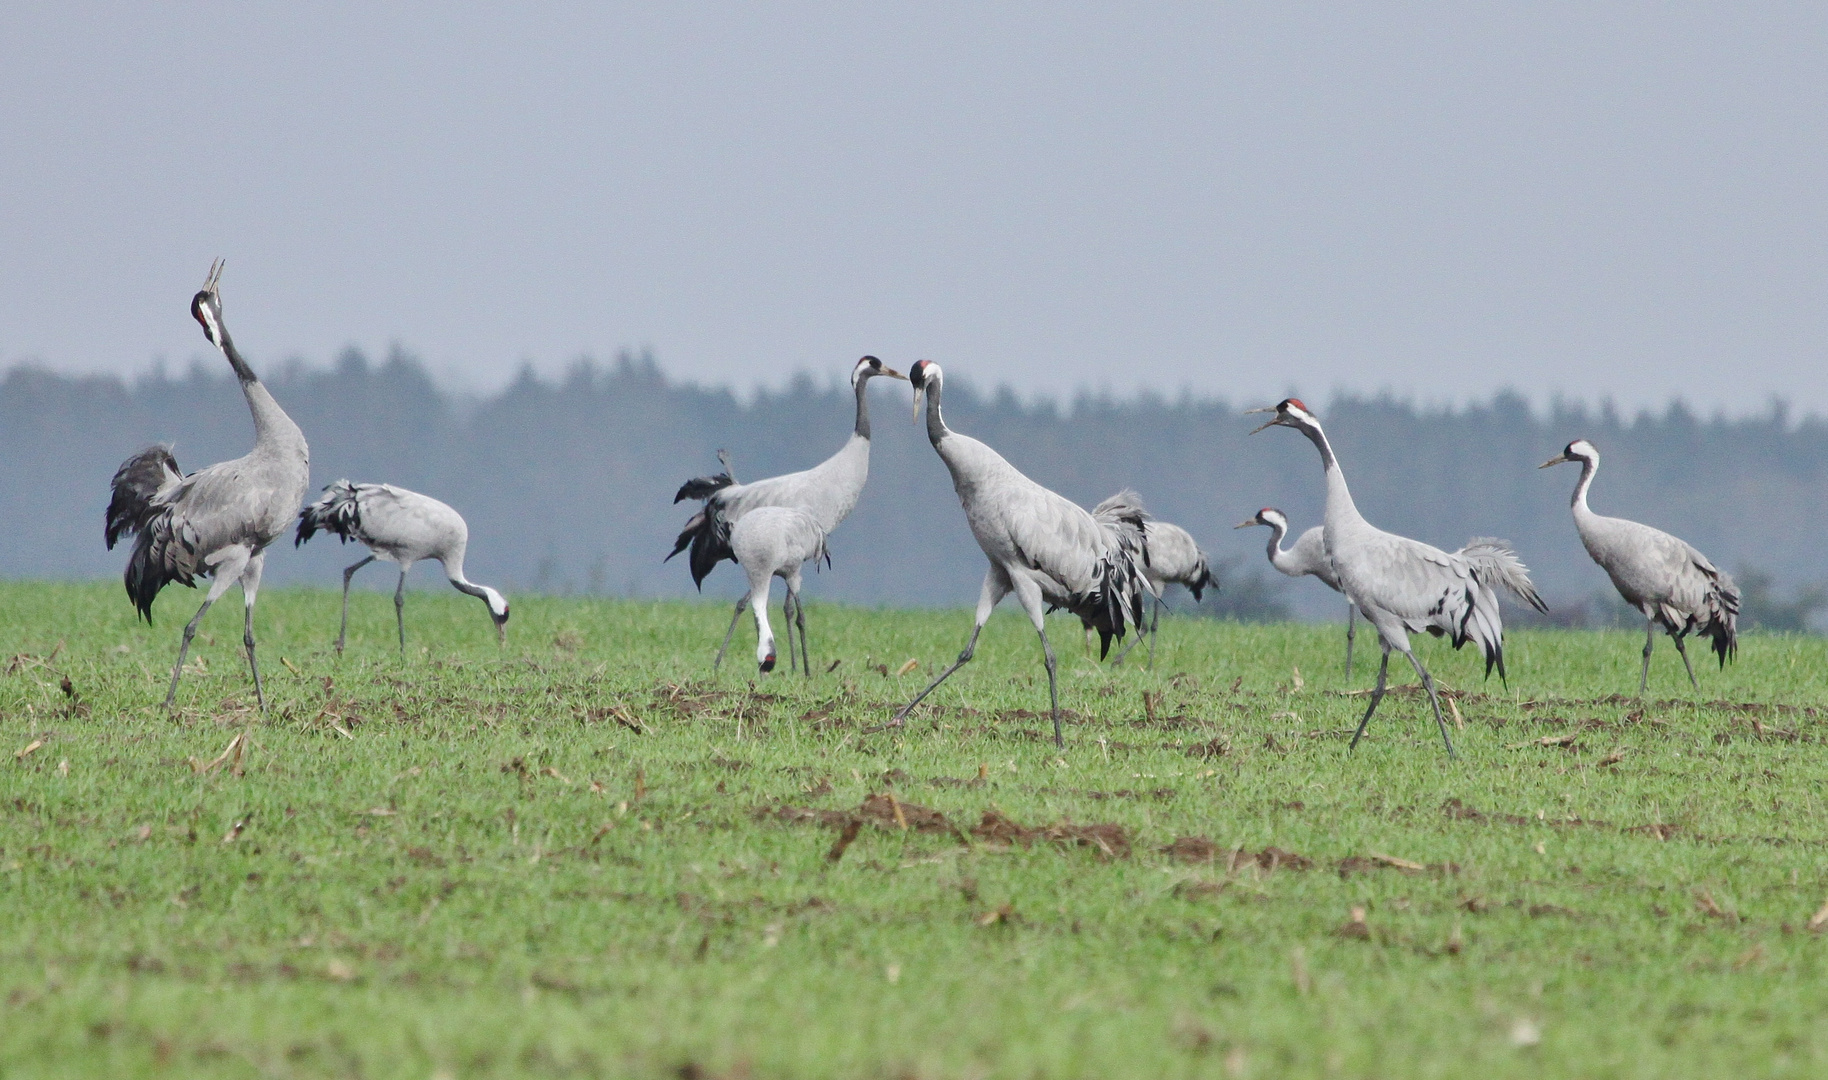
x,y
584,855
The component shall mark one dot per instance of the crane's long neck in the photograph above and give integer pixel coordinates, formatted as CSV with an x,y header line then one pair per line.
x,y
862,430
1340,507
936,424
1278,558
273,429
1578,502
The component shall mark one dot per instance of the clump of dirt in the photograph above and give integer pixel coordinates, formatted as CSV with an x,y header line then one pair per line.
x,y
1110,841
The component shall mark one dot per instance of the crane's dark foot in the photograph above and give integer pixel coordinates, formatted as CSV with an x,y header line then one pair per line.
x,y
895,723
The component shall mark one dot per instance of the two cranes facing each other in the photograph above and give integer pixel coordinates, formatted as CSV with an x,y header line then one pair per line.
x,y
402,527
826,493
218,521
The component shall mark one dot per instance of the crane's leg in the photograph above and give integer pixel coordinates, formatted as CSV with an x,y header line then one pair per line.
x,y
400,605
342,631
1155,623
250,588
1029,594
1428,684
799,618
996,586
741,603
1351,632
1650,638
1682,651
1377,695
227,571
793,659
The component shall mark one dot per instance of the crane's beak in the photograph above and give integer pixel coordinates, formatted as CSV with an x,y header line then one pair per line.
x,y
1247,524
1556,460
892,373
919,393
501,631
1272,422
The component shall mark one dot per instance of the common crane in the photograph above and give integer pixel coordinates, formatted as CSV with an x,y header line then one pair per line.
x,y
1175,558
1307,557
1403,586
828,491
1043,548
397,526
216,521
1675,586
771,542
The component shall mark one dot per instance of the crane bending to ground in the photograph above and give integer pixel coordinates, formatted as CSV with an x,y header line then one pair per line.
x,y
1675,586
1042,547
1404,586
398,526
1307,558
771,542
219,520
828,491
1175,558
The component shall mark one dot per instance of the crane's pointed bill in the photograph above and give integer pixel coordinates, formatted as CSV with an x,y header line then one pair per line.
x,y
892,373
1556,460
919,393
1246,523
1267,423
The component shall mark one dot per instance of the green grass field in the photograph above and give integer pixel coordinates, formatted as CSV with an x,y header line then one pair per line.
x,y
581,855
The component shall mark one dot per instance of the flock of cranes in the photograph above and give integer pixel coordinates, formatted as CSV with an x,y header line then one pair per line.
x,y
1105,565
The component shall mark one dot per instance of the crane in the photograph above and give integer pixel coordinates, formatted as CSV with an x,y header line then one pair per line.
x,y
1675,586
397,526
771,542
1307,557
217,521
828,491
1042,547
1404,586
1175,558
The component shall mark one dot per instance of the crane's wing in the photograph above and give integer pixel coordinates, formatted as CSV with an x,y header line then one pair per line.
x,y
189,521
1440,592
139,479
1095,566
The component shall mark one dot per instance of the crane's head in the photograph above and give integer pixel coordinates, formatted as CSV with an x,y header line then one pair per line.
x,y
498,610
764,653
868,368
206,306
1290,412
1579,450
1269,516
924,374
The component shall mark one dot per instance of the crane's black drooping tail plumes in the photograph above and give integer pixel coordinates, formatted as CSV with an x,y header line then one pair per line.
x,y
131,513
336,512
1119,595
707,534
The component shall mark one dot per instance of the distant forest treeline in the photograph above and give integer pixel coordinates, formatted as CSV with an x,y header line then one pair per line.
x,y
567,485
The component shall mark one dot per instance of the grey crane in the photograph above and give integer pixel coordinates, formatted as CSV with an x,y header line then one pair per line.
x,y
217,521
1404,586
1042,547
1307,558
771,542
828,491
1175,558
1675,586
397,526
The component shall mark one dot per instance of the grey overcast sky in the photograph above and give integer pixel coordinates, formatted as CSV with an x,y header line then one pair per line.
x,y
1441,200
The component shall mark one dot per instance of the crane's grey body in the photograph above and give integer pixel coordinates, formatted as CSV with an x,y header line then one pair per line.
x,y
828,492
771,542
1307,558
218,521
1041,546
1404,586
1175,558
1665,578
402,527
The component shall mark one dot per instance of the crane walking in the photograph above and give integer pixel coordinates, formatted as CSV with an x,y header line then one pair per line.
x,y
1307,558
217,521
1175,558
397,526
771,542
1042,547
1675,586
828,491
1404,586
